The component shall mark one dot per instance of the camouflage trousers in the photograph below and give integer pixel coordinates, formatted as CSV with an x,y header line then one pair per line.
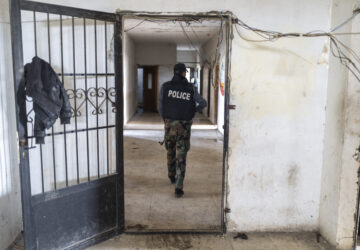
x,y
177,144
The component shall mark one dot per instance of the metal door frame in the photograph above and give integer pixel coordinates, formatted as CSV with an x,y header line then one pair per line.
x,y
227,18
22,135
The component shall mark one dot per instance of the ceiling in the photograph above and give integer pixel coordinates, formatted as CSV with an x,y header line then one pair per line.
x,y
144,31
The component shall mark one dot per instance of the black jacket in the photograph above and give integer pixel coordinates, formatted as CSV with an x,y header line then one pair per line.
x,y
49,97
165,108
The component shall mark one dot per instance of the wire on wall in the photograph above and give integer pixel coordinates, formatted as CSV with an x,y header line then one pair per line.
x,y
347,56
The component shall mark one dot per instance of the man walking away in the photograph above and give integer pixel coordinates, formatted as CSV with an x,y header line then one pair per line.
x,y
178,102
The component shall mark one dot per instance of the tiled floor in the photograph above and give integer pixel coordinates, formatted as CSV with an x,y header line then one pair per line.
x,y
150,120
149,197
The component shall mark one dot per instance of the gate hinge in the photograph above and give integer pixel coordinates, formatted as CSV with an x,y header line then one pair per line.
x,y
232,106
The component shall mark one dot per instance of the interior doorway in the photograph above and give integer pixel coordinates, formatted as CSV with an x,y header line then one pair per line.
x,y
150,82
203,45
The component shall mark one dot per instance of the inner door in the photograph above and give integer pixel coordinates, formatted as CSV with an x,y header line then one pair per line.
x,y
72,186
150,80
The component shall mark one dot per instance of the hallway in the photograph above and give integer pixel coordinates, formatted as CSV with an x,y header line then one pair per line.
x,y
150,204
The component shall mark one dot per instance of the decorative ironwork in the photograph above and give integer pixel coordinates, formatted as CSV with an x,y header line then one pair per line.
x,y
84,96
105,97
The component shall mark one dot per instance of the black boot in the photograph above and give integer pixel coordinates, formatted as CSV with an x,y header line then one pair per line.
x,y
172,179
178,192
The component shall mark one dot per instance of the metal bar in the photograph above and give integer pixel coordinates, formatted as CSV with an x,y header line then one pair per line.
x,y
35,36
76,135
69,11
62,80
174,16
42,169
21,123
119,119
86,74
226,123
52,127
97,102
213,232
74,131
86,104
41,153
209,91
107,106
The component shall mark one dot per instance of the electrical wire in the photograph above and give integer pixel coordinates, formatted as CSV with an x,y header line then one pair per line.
x,y
346,21
135,26
190,41
348,57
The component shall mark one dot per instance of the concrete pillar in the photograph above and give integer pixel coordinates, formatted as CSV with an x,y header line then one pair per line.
x,y
339,176
10,204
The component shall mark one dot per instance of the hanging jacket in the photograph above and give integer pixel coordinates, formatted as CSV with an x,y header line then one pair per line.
x,y
49,97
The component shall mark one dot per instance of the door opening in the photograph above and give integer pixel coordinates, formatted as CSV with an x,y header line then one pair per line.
x,y
204,47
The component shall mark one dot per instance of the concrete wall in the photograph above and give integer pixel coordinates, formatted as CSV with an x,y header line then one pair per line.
x,y
277,130
189,57
130,78
209,51
155,54
339,178
334,131
10,203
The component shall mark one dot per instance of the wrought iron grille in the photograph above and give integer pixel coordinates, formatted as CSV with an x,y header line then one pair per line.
x,y
80,51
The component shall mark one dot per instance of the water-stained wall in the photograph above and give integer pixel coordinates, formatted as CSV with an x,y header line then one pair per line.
x,y
279,88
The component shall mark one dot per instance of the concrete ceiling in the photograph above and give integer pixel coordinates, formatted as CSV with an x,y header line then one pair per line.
x,y
171,32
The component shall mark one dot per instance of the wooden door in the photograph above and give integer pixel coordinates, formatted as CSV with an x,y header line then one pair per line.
x,y
150,82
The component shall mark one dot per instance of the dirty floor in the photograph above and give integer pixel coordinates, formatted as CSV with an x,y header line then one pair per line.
x,y
255,241
150,204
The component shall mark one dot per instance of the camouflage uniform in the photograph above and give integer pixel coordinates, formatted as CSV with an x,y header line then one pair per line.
x,y
177,144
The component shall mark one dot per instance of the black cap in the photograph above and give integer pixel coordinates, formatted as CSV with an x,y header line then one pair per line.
x,y
179,68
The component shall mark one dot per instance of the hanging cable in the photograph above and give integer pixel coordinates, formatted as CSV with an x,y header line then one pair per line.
x,y
338,49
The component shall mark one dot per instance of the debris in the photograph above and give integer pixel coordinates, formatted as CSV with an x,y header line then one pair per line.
x,y
318,236
241,236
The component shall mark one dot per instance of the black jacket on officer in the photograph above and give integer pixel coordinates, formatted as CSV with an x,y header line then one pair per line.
x,y
178,99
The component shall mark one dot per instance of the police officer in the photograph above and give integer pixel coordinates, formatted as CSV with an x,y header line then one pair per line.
x,y
178,102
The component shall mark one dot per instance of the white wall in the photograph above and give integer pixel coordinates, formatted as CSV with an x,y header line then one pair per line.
x,y
277,129
10,203
208,50
189,57
130,78
155,54
165,74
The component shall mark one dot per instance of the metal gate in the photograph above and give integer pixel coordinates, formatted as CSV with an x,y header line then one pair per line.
x,y
72,186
